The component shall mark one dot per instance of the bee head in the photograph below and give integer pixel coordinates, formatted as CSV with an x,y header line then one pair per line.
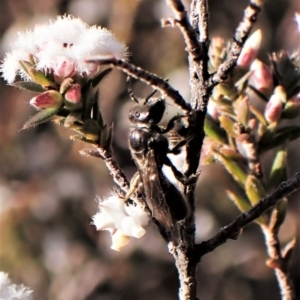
x,y
151,112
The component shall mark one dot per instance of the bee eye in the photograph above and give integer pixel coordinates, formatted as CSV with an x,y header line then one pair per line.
x,y
137,114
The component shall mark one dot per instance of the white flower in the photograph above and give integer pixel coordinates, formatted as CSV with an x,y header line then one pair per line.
x,y
122,219
10,291
61,47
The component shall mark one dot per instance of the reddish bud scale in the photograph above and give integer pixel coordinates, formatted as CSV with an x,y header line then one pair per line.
x,y
73,94
48,99
73,97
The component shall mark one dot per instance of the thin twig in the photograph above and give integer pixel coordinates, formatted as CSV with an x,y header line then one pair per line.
x,y
279,264
188,32
151,79
194,16
241,34
203,21
200,91
230,231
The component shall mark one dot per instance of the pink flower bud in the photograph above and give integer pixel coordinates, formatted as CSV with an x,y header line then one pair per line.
x,y
261,78
73,96
250,50
48,99
274,107
64,67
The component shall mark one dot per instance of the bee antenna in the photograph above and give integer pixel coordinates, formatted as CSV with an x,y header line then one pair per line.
x,y
146,100
130,91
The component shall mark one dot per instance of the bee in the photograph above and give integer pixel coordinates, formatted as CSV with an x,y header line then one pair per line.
x,y
149,149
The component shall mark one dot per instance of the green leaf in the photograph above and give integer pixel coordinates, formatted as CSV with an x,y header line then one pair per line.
x,y
232,167
25,65
232,154
229,125
29,86
40,117
259,116
40,78
213,131
242,110
243,205
278,171
254,189
224,94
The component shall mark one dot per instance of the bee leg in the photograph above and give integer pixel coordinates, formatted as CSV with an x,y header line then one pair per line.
x,y
172,123
176,149
134,182
181,177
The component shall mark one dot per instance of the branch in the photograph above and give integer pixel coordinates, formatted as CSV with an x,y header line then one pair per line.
x,y
241,34
230,231
188,32
147,77
203,21
279,262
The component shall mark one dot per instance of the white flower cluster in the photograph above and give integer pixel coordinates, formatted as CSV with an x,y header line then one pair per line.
x,y
122,219
61,46
10,291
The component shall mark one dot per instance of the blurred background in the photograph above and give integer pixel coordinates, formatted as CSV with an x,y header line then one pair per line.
x,y
48,191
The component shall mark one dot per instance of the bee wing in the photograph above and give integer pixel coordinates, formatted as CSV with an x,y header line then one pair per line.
x,y
153,191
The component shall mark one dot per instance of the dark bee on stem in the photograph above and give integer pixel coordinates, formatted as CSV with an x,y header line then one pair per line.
x,y
149,149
